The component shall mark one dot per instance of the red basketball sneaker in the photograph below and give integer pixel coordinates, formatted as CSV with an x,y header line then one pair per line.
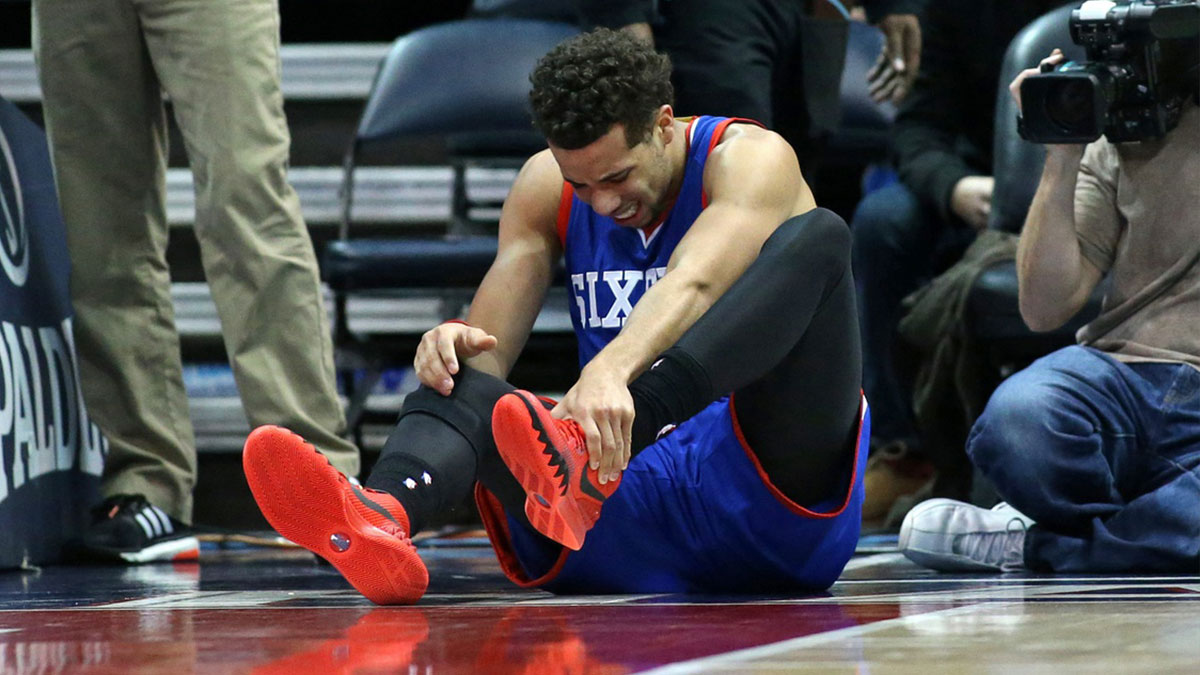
x,y
363,533
549,459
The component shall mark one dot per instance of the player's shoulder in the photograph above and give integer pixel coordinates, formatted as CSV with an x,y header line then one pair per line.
x,y
534,198
749,143
739,130
538,187
540,173
747,153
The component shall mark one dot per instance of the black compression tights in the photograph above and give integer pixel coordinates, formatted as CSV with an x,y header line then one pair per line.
x,y
783,338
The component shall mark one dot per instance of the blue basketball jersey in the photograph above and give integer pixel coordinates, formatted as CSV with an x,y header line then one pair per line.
x,y
609,267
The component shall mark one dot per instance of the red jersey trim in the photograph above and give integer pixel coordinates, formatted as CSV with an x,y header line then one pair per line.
x,y
564,212
568,192
712,143
496,525
782,498
649,230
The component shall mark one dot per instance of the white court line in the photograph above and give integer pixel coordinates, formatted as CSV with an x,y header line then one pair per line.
x,y
873,560
977,594
588,602
269,600
985,578
991,594
233,600
969,589
744,655
156,600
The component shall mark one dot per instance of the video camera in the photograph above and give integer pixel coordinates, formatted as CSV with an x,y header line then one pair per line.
x,y
1142,66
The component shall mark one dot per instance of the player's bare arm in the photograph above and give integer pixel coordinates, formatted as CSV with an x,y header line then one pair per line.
x,y
754,184
511,294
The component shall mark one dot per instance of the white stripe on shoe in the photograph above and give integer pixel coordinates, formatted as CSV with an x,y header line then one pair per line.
x,y
148,526
183,548
163,518
148,512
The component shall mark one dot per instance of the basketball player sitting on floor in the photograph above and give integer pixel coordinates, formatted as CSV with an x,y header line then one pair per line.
x,y
715,439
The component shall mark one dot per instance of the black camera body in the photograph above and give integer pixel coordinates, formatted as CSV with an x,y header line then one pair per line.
x,y
1141,69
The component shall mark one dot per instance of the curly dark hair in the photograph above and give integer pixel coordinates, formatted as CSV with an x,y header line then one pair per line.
x,y
594,80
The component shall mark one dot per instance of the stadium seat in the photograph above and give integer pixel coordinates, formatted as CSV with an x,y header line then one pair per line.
x,y
864,134
992,315
856,157
464,83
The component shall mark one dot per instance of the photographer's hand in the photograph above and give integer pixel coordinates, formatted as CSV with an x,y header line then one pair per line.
x,y
1063,154
1056,57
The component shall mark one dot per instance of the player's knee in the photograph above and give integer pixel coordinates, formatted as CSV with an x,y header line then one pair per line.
x,y
469,406
818,238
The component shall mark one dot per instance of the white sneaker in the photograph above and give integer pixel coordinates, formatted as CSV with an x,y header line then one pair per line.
x,y
953,536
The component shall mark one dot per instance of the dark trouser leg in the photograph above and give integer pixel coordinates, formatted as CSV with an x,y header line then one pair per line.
x,y
724,54
784,338
894,238
745,58
1105,456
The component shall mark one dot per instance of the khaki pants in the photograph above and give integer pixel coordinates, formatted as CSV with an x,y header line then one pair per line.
x,y
103,65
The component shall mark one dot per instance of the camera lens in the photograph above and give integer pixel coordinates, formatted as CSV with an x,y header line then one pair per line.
x,y
1069,104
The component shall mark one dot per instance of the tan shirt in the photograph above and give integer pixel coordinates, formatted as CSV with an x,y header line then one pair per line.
x,y
1137,216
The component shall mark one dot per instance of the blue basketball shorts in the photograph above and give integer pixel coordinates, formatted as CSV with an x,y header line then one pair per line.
x,y
694,513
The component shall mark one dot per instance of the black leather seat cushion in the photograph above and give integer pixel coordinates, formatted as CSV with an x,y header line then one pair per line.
x,y
994,315
365,264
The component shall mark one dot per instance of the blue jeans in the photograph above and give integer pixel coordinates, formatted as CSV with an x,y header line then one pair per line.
x,y
1104,455
899,245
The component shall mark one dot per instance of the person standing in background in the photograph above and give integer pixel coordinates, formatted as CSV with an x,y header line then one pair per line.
x,y
104,67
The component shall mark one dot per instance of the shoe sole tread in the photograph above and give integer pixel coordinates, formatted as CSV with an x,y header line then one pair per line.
x,y
301,496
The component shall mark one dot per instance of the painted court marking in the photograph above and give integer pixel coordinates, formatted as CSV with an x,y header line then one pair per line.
x,y
874,560
729,659
1166,588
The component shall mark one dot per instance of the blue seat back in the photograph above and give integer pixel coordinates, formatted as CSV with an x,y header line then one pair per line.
x,y
858,109
459,77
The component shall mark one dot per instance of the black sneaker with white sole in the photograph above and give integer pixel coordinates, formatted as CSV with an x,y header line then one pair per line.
x,y
129,529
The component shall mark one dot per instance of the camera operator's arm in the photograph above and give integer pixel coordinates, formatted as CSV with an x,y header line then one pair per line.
x,y
1054,277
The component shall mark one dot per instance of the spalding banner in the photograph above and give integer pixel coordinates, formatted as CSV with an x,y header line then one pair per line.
x,y
50,453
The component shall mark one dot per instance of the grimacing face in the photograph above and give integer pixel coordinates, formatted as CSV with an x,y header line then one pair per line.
x,y
633,186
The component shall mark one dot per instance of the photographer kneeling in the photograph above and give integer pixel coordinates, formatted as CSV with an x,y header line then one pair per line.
x,y
1097,446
